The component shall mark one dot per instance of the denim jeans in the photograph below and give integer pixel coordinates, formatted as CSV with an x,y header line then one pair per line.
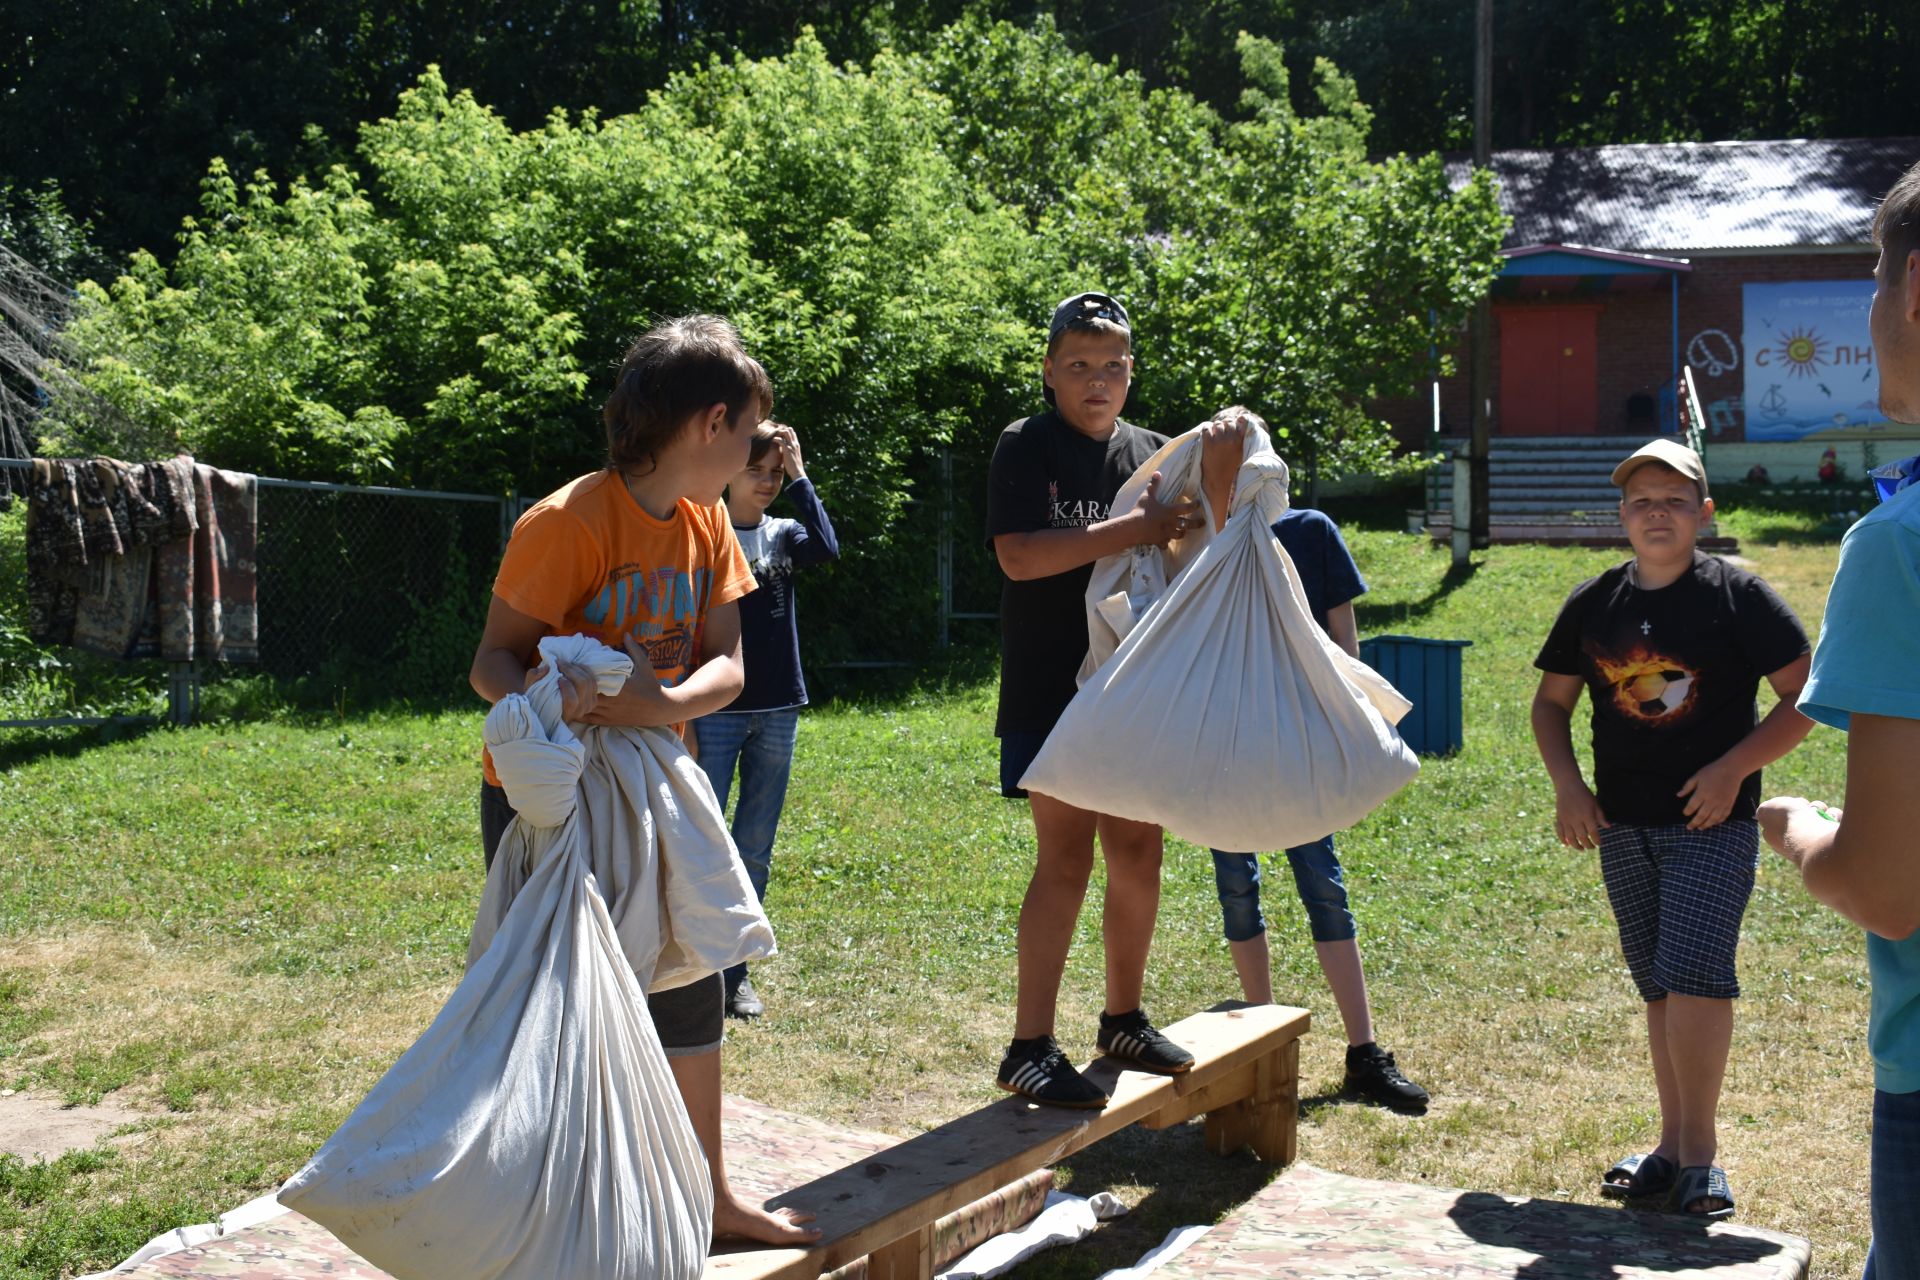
x,y
1316,878
761,742
1895,1252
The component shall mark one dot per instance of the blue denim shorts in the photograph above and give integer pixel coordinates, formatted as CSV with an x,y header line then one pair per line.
x,y
1316,878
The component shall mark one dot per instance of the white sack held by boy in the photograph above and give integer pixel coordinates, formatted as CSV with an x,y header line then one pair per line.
x,y
1210,702
535,1129
651,827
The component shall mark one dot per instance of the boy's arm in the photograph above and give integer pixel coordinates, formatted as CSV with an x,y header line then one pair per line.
x,y
1345,632
1222,449
1866,866
1715,788
814,541
1577,816
711,686
1041,553
503,662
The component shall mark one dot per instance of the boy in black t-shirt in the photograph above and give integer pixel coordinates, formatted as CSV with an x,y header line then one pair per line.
x,y
1671,647
1050,489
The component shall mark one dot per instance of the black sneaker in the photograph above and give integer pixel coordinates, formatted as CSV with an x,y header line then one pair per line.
x,y
1371,1073
742,1001
1037,1069
1131,1038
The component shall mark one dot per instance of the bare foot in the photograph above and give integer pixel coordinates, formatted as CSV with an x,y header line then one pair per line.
x,y
733,1220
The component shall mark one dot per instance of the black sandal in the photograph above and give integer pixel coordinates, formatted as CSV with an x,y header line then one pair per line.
x,y
1644,1175
1703,1182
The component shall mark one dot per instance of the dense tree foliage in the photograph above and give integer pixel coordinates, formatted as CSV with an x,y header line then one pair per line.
x,y
1587,72
888,238
122,102
444,310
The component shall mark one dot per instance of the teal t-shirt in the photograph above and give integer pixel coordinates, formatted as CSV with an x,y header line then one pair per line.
x,y
1868,660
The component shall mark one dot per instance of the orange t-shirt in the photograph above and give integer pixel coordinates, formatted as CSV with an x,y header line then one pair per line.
x,y
588,558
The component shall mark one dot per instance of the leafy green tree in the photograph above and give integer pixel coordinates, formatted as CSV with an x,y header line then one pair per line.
x,y
1265,261
889,237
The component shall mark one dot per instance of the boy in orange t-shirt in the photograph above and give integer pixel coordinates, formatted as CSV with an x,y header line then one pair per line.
x,y
640,555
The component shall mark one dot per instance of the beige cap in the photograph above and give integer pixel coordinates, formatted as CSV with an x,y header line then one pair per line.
x,y
1669,453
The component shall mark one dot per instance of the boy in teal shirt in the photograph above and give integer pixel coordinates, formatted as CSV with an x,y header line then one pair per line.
x,y
1865,862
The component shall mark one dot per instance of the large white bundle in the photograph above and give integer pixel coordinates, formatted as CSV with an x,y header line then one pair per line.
x,y
646,817
1210,702
535,1129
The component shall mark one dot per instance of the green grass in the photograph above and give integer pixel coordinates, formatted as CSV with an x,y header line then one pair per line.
x,y
235,928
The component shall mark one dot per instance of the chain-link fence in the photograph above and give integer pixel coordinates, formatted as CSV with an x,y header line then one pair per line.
x,y
384,591
361,583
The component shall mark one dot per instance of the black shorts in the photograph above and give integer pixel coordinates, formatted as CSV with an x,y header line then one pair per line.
x,y
690,1020
1018,747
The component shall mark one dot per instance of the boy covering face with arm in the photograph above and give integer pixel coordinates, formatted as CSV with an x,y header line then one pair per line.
x,y
1050,492
757,731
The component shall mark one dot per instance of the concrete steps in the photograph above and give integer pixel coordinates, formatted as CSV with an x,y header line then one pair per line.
x,y
1549,489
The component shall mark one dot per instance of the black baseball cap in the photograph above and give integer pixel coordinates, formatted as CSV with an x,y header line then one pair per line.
x,y
1084,306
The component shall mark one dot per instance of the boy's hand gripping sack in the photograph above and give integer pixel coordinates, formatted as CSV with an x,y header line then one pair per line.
x,y
535,1129
1210,701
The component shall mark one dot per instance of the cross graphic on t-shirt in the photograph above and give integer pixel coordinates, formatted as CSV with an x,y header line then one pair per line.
x,y
1646,628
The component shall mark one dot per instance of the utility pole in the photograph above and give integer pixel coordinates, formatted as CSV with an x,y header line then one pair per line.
x,y
1480,334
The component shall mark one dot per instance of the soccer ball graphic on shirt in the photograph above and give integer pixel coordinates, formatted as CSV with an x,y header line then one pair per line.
x,y
1650,686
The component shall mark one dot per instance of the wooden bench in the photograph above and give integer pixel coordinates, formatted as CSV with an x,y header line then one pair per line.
x,y
1245,1081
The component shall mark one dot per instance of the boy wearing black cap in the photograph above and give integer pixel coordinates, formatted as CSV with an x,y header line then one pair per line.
x,y
1671,647
1050,489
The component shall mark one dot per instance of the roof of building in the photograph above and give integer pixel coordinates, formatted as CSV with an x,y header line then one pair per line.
x,y
1693,197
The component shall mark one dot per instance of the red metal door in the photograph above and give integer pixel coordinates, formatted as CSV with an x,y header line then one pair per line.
x,y
1549,370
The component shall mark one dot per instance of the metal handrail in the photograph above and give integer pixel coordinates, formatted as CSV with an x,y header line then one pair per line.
x,y
1693,423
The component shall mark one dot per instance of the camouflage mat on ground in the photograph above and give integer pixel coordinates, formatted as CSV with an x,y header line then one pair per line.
x,y
768,1152
1309,1223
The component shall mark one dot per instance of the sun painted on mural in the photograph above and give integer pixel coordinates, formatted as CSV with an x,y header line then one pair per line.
x,y
1649,686
1804,352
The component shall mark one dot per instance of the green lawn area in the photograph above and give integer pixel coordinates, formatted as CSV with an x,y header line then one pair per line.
x,y
234,929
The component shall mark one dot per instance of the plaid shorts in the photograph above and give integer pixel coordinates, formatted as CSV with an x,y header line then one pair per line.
x,y
1678,897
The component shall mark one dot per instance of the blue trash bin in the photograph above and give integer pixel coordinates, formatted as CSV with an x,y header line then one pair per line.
x,y
1427,672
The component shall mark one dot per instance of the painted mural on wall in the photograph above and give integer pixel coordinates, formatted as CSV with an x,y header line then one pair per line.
x,y
1808,359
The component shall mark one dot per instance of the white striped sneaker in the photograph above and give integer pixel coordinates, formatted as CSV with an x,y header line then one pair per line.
x,y
1038,1070
1131,1038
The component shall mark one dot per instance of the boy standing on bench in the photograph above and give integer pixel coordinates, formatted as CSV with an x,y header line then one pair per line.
x,y
1331,581
1050,489
639,556
1671,647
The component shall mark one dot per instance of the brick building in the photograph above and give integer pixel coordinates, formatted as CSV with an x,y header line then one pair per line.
x,y
1747,262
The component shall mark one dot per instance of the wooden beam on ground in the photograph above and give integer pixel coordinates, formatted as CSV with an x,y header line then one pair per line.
x,y
883,1205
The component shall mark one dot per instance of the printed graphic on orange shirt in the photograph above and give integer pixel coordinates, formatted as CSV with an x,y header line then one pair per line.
x,y
1650,686
660,608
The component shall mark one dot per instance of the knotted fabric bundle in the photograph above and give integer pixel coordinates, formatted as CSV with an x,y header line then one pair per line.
x,y
1210,701
643,813
535,1129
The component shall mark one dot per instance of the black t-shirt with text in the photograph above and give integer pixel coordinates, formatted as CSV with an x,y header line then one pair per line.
x,y
1672,675
1046,475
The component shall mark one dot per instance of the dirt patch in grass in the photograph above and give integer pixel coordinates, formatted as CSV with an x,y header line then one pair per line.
x,y
42,1128
152,1027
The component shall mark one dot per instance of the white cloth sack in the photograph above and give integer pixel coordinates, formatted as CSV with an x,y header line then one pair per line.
x,y
643,813
1210,701
1062,1220
535,1129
